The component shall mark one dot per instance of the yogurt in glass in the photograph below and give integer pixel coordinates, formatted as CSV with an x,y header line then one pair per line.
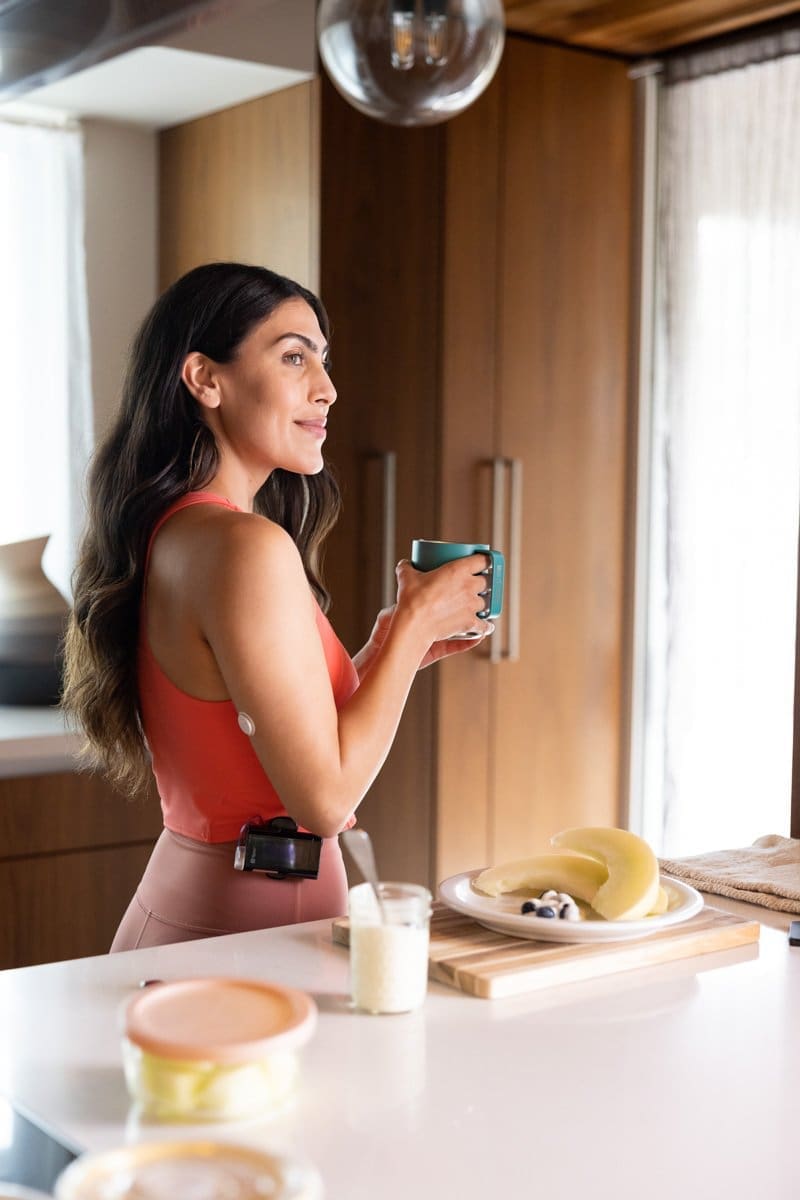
x,y
389,946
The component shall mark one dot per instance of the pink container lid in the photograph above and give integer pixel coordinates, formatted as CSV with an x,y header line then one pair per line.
x,y
221,1020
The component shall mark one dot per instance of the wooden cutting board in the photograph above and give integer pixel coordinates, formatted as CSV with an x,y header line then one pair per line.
x,y
466,956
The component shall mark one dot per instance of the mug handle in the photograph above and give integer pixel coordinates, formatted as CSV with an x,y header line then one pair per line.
x,y
496,576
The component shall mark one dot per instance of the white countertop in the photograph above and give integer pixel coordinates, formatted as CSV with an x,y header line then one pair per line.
x,y
35,741
675,1081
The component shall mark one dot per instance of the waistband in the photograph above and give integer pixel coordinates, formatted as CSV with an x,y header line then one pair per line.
x,y
219,849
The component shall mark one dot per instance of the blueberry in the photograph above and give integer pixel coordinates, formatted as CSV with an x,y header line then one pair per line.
x,y
545,911
528,907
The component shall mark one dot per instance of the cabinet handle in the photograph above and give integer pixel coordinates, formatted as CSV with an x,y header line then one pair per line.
x,y
496,653
512,467
515,560
389,529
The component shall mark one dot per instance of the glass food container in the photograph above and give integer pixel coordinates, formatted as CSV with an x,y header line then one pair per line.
x,y
215,1049
18,1191
197,1169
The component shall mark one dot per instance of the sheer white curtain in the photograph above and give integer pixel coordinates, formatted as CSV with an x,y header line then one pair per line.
x,y
44,339
725,494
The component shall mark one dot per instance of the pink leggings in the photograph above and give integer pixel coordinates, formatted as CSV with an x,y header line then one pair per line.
x,y
191,890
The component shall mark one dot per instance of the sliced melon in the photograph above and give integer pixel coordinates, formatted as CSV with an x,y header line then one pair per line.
x,y
632,888
575,874
169,1088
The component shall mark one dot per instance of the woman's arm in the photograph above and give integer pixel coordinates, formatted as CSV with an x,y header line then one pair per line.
x,y
363,658
256,611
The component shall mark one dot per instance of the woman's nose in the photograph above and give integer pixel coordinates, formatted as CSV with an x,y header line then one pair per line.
x,y
327,392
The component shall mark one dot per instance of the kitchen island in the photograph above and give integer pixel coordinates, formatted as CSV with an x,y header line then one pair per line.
x,y
681,1080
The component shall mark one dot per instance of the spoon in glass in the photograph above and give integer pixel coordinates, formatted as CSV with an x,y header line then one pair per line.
x,y
358,844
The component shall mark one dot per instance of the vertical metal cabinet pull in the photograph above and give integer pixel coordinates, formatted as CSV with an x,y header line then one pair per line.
x,y
496,652
512,466
515,557
389,529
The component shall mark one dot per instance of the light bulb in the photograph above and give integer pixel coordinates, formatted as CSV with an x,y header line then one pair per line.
x,y
411,62
434,20
402,34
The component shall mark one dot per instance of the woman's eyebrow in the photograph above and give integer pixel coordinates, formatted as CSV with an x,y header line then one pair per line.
x,y
301,337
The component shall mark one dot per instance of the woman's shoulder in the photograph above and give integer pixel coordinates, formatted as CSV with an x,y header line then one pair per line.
x,y
228,533
249,542
213,541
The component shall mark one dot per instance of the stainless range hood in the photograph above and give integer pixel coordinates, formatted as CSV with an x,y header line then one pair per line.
x,y
45,40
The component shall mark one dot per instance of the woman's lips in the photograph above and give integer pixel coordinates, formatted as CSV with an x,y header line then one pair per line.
x,y
316,428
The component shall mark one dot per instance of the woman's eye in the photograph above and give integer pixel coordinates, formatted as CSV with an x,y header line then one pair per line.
x,y
295,358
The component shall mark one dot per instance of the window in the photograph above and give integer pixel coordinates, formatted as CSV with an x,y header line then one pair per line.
x,y
46,400
724,494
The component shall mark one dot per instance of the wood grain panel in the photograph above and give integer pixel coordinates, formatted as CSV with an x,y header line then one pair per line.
x,y
562,368
43,814
243,184
380,271
639,27
65,905
469,400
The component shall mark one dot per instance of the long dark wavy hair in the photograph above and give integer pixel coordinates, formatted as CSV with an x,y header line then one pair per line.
x,y
157,449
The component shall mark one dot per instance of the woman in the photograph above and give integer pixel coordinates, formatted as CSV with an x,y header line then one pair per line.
x,y
198,645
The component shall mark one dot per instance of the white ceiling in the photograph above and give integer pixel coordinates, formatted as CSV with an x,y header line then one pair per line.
x,y
253,48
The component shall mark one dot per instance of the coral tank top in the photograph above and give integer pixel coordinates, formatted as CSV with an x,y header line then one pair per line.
x,y
208,775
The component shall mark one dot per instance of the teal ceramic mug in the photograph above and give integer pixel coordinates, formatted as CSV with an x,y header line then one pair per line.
x,y
427,555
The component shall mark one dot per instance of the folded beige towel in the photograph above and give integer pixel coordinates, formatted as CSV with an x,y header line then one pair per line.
x,y
766,873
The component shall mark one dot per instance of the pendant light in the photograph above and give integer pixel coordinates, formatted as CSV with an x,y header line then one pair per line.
x,y
410,62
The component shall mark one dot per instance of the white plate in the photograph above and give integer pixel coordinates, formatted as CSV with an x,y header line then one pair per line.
x,y
501,914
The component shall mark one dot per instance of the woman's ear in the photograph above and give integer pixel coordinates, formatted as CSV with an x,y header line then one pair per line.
x,y
199,379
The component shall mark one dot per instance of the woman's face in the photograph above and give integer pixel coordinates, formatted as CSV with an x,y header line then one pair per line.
x,y
275,395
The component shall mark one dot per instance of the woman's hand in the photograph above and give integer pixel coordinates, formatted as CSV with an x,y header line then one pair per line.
x,y
445,602
449,646
440,649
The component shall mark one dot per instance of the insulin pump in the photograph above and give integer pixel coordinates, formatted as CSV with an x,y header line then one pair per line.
x,y
279,849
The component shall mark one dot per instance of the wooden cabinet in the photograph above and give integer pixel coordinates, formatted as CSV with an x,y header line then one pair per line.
x,y
243,185
478,279
73,851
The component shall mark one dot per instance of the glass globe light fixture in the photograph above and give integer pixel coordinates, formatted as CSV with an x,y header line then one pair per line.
x,y
410,62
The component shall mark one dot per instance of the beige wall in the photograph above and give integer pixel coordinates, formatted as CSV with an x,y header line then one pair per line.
x,y
121,248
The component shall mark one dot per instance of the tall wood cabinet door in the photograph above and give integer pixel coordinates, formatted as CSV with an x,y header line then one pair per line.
x,y
562,379
469,434
380,256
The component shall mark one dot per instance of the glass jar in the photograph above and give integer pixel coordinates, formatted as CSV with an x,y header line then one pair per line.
x,y
389,946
